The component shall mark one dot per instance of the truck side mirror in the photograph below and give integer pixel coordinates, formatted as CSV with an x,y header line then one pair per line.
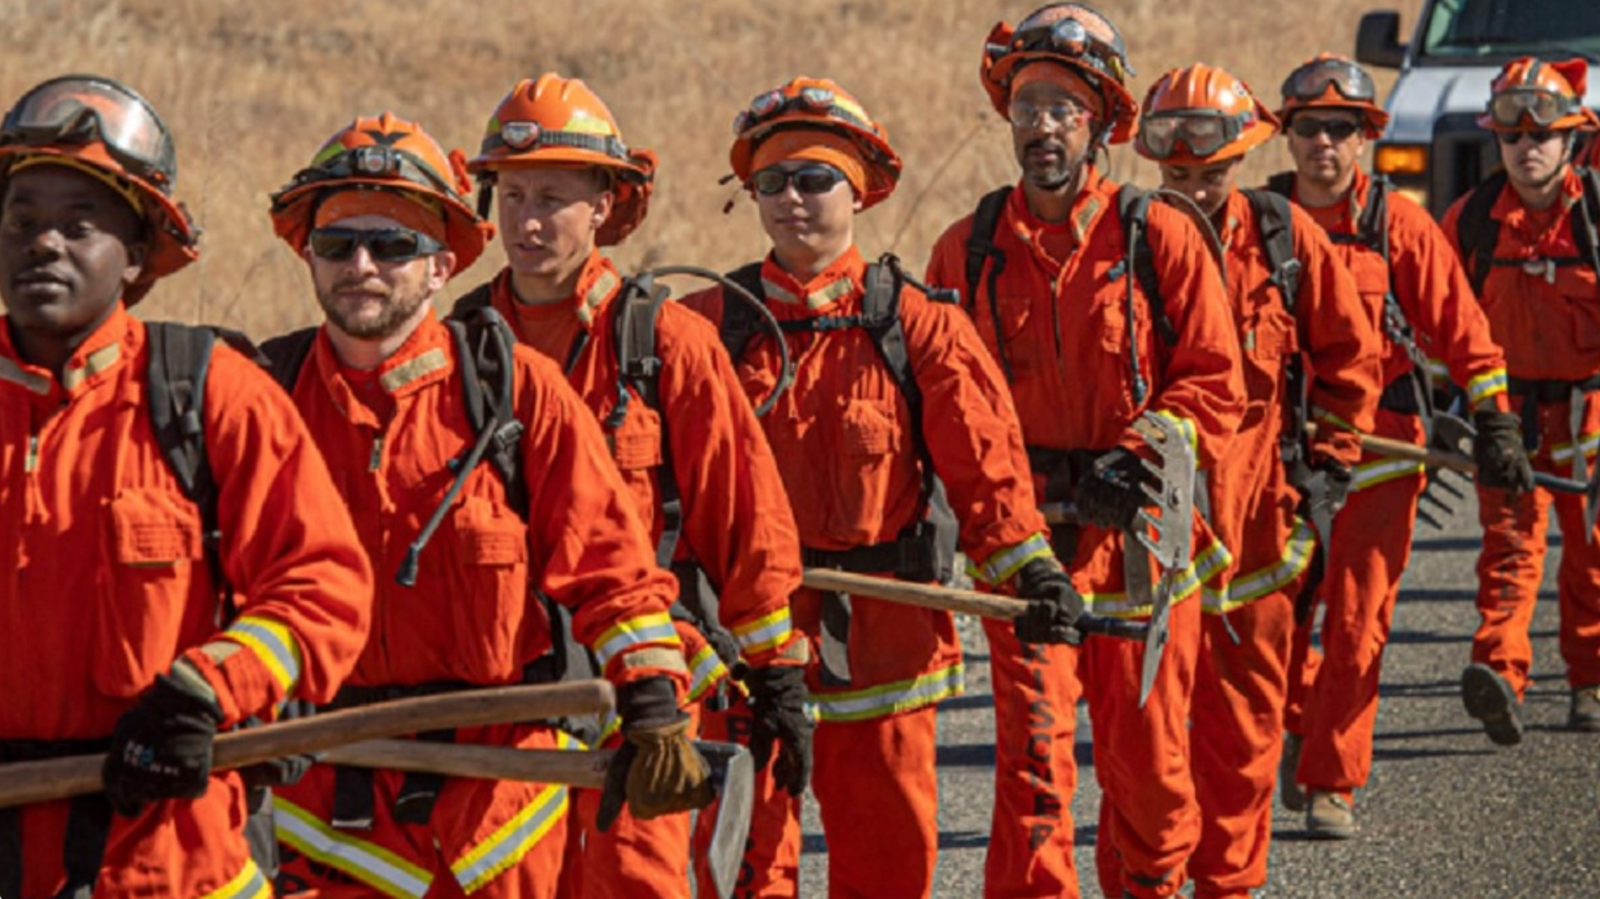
x,y
1378,40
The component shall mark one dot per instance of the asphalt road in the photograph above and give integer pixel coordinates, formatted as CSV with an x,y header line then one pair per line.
x,y
1446,814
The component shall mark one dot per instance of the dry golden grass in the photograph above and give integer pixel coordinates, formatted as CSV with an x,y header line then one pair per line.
x,y
251,89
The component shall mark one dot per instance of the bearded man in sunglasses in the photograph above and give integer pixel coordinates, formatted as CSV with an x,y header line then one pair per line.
x,y
1539,291
1049,283
1405,270
380,220
129,622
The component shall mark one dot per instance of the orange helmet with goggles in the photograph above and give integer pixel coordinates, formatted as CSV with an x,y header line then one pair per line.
x,y
1072,35
105,129
1212,114
559,121
810,104
1530,94
1331,81
385,153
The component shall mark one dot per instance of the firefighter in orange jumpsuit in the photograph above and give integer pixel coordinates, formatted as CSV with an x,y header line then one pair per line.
x,y
1403,266
380,221
1051,290
566,184
1539,291
1303,329
127,654
891,390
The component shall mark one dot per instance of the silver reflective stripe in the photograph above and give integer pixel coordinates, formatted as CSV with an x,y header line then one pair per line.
x,y
887,699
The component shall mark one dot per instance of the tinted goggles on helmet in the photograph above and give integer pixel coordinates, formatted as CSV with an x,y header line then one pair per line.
x,y
773,103
82,109
384,244
817,178
375,162
1508,107
1311,81
1063,37
1203,131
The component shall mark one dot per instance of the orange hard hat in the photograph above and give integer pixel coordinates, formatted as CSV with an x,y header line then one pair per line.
x,y
1214,115
1331,81
1069,34
391,154
1530,95
86,120
816,104
559,121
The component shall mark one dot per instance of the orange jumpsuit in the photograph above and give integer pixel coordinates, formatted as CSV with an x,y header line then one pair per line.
x,y
1062,312
106,584
388,436
1242,682
1548,319
736,525
843,438
1372,534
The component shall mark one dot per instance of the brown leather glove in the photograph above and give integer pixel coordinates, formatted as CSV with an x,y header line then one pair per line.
x,y
657,770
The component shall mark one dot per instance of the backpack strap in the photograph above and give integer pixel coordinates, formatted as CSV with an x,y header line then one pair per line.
x,y
1282,184
1477,233
1133,207
639,366
286,355
739,322
981,251
1275,228
180,358
484,343
1586,219
479,297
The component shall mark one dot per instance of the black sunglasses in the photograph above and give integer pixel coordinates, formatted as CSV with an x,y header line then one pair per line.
x,y
1336,129
810,179
385,244
1512,138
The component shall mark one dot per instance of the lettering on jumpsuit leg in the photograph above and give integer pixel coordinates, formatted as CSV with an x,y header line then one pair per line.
x,y
1046,799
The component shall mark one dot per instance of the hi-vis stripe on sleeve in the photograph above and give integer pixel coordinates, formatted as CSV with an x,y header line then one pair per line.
x,y
765,633
1487,384
635,632
1003,563
272,644
369,863
1185,427
250,883
507,846
1371,474
705,671
1296,558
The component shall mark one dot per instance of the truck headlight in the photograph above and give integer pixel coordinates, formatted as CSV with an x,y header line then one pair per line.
x,y
1401,159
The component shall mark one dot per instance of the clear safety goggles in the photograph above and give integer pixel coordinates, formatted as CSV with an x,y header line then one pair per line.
x,y
84,109
1062,113
1203,131
1311,81
1542,106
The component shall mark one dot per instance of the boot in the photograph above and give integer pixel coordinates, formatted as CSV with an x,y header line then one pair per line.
x,y
1293,797
1491,700
1585,714
1330,816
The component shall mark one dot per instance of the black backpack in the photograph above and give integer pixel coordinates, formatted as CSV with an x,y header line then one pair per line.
x,y
1478,235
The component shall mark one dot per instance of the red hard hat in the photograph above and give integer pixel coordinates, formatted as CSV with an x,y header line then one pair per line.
x,y
1331,81
816,103
1529,95
1214,115
1069,34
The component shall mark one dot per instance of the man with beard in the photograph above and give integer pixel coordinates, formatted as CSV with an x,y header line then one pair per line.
x,y
118,572
380,221
1406,270
1527,240
1088,349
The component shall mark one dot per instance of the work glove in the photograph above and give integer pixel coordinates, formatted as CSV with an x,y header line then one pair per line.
x,y
657,770
161,748
1497,448
778,700
1053,605
1110,496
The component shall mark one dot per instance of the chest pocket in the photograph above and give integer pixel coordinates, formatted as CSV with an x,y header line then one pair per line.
x,y
153,553
869,440
636,444
1580,290
1267,341
490,593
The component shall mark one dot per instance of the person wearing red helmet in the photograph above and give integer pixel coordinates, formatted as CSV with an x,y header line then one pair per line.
x,y
1527,240
174,611
897,442
1044,270
1403,265
379,217
1310,351
690,449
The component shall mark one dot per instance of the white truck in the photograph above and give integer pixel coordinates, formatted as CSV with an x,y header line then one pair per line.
x,y
1433,149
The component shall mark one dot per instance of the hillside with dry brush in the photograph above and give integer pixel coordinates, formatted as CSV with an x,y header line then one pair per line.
x,y
250,89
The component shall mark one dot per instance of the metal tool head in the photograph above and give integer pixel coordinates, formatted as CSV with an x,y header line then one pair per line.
x,y
733,774
1173,495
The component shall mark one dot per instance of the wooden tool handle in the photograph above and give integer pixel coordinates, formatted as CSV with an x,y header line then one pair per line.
x,y
551,766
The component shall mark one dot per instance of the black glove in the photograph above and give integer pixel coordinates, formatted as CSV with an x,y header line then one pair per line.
x,y
1109,496
778,700
161,748
1497,448
657,770
1053,605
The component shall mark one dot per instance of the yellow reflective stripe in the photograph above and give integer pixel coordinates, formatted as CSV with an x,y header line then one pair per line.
x,y
1206,566
367,862
1003,563
1296,558
705,670
249,883
1185,427
1562,452
1322,414
506,846
1438,369
653,628
767,632
1371,474
1487,384
888,699
273,644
